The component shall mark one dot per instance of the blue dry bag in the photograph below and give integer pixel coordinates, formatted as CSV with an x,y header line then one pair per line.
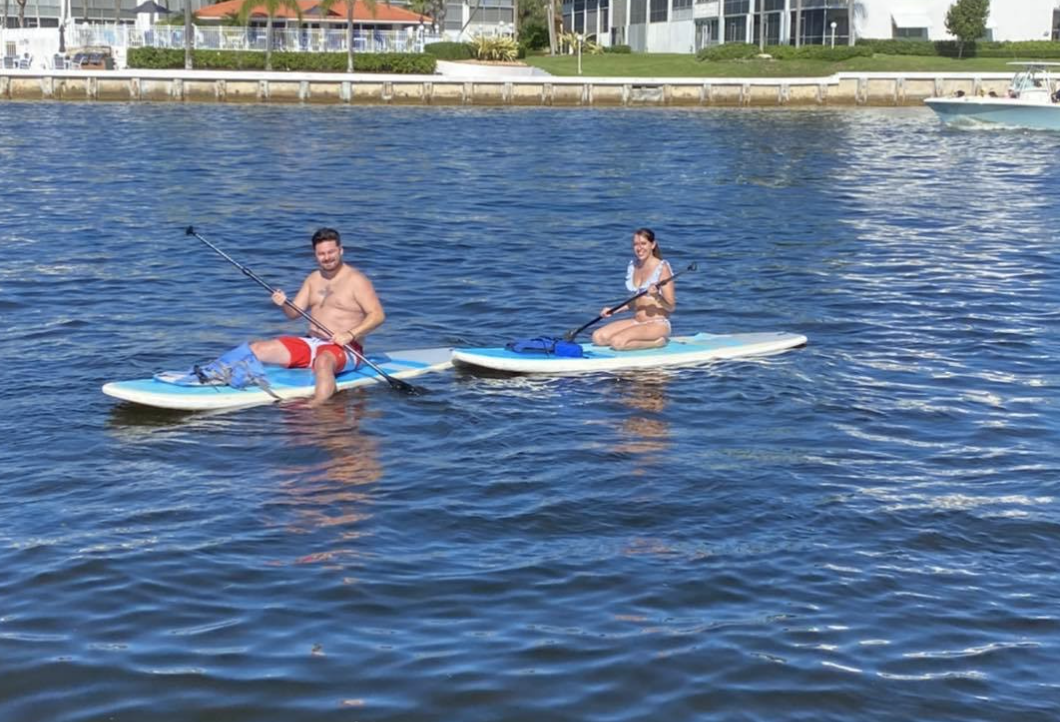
x,y
547,345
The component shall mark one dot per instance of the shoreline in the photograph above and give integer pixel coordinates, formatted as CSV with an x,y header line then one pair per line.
x,y
231,86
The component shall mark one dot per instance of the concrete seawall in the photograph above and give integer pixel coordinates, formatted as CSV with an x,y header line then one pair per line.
x,y
843,89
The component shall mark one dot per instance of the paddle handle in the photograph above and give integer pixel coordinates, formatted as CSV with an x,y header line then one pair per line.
x,y
396,383
570,335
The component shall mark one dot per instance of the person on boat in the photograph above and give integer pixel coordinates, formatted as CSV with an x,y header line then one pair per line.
x,y
650,325
341,299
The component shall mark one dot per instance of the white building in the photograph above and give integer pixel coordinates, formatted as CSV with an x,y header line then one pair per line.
x,y
685,26
465,19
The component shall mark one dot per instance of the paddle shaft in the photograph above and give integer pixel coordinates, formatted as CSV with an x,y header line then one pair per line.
x,y
394,383
570,335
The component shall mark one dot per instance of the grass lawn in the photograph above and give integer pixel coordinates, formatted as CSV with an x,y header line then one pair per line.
x,y
666,65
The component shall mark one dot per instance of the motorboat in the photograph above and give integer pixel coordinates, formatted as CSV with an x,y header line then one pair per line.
x,y
1031,101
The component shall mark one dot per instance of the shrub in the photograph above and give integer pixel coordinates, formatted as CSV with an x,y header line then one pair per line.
x,y
497,47
728,51
835,55
447,50
745,51
1019,48
171,59
898,47
622,49
533,34
982,49
568,42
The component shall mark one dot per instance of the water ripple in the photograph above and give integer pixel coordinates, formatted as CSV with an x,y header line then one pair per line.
x,y
861,529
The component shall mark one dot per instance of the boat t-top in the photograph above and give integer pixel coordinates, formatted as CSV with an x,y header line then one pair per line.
x,y
1031,101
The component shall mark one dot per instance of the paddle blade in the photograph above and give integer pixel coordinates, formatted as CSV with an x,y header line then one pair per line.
x,y
406,387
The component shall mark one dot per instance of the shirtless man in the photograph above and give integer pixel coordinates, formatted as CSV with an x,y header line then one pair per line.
x,y
342,299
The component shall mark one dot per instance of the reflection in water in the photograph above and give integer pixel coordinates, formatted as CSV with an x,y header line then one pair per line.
x,y
329,485
645,433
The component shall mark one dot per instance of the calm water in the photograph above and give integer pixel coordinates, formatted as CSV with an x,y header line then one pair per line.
x,y
863,529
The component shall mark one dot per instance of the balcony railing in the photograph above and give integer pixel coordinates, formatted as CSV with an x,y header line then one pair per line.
x,y
288,39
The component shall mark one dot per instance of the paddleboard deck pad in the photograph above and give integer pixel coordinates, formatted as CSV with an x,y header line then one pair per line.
x,y
162,392
680,351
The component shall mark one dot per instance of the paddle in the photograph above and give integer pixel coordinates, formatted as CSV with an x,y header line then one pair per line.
x,y
569,336
396,384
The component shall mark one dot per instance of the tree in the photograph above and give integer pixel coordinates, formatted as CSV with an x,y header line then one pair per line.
x,y
550,13
325,7
434,8
532,21
798,23
966,20
188,35
21,13
271,8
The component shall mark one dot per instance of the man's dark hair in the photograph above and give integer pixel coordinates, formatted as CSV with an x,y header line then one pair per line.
x,y
326,234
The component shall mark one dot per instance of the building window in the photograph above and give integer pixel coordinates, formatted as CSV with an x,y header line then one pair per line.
x,y
659,11
454,16
736,30
773,21
638,12
737,7
817,27
910,33
706,33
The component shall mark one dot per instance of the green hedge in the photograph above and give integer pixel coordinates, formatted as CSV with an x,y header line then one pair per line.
x,y
817,52
447,50
173,59
1038,49
728,51
898,47
746,51
622,49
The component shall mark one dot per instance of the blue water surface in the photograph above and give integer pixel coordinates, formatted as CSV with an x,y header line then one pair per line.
x,y
862,529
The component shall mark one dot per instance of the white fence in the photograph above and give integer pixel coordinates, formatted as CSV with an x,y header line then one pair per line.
x,y
292,39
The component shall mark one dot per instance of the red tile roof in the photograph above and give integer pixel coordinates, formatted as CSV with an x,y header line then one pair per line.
x,y
383,13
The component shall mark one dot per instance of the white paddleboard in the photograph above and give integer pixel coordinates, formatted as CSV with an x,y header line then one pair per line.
x,y
680,351
285,383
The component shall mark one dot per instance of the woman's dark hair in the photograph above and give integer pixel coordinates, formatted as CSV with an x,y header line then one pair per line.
x,y
326,234
650,235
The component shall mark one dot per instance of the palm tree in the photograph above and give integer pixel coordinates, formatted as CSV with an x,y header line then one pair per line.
x,y
325,6
850,22
761,26
188,37
798,23
271,8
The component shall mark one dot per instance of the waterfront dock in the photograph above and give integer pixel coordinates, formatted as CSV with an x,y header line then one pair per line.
x,y
841,89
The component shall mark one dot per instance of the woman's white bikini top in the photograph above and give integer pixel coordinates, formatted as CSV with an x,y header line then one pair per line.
x,y
653,279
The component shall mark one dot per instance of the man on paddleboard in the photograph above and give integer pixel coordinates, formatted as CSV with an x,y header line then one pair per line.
x,y
340,298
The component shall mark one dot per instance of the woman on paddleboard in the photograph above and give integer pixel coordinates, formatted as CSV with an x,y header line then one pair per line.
x,y
650,325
